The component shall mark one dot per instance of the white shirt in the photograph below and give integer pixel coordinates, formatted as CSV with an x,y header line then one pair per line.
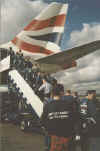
x,y
47,87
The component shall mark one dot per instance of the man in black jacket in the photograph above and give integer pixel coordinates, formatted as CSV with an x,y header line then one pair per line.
x,y
91,123
59,117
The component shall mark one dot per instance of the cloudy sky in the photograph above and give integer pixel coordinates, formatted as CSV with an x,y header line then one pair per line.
x,y
82,26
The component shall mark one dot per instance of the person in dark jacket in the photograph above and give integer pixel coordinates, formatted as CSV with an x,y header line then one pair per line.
x,y
90,123
59,118
68,95
76,99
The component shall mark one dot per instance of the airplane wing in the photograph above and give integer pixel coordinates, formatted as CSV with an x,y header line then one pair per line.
x,y
66,59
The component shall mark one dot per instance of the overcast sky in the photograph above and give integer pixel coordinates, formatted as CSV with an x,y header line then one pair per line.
x,y
82,26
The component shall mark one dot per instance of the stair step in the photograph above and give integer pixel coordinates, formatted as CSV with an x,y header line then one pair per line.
x,y
27,91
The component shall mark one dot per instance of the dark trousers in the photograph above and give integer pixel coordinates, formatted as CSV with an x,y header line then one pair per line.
x,y
84,143
74,145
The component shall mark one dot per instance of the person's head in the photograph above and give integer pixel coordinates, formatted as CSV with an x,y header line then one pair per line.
x,y
44,80
28,59
20,51
94,93
61,88
68,92
54,82
56,92
36,64
10,48
75,94
17,53
90,94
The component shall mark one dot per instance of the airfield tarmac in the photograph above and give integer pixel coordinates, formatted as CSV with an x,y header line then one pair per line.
x,y
13,139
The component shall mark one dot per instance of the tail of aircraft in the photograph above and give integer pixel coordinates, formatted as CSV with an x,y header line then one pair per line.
x,y
43,35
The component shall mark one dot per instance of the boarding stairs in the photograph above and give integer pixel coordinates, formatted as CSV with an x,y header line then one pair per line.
x,y
27,92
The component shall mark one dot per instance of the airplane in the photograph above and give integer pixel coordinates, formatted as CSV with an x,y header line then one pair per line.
x,y
41,38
